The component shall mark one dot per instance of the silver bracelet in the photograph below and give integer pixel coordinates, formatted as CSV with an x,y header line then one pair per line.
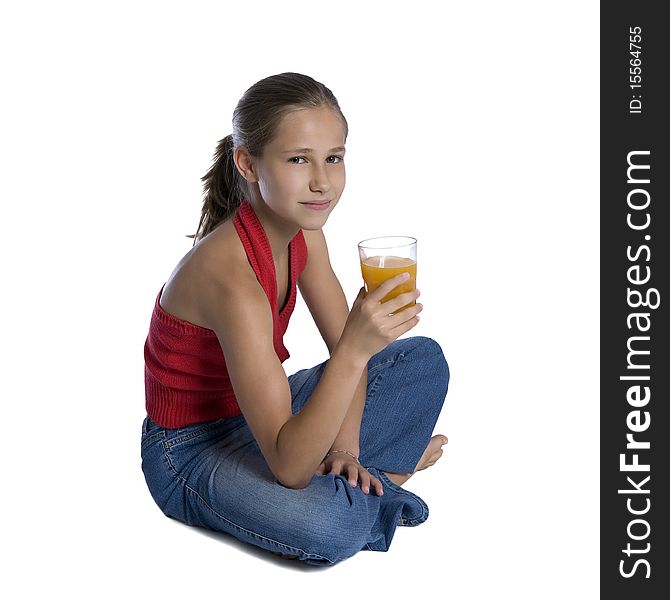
x,y
345,452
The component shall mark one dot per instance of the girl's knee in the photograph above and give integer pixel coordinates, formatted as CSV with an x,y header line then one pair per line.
x,y
420,348
426,349
435,350
426,344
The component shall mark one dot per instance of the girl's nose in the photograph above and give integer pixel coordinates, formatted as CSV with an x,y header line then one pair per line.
x,y
320,181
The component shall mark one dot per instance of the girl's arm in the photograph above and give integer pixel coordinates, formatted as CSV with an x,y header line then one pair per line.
x,y
235,307
327,303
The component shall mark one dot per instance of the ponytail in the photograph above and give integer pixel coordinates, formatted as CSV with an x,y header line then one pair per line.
x,y
222,189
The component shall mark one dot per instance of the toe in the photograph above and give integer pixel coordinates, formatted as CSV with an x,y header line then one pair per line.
x,y
435,457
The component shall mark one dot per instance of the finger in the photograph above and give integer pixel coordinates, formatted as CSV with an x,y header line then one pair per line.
x,y
322,469
402,316
376,485
387,286
401,300
365,482
336,467
396,332
352,474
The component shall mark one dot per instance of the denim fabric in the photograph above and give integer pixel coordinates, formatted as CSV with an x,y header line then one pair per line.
x,y
213,474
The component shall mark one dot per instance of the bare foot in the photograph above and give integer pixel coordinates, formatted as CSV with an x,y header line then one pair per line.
x,y
432,453
430,456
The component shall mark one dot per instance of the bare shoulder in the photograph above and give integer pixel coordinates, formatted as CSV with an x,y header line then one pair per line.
x,y
214,270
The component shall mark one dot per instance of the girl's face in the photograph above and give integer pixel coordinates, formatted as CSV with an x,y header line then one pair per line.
x,y
301,175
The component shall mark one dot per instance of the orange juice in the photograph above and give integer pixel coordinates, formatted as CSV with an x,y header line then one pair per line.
x,y
377,269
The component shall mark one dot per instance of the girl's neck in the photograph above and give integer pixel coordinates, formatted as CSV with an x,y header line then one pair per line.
x,y
278,231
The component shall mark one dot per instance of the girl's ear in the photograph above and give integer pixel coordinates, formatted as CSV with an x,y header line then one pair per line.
x,y
245,164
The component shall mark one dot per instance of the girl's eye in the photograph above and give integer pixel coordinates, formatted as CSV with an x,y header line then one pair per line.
x,y
294,159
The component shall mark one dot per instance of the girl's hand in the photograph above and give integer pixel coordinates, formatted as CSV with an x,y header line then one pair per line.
x,y
343,464
372,325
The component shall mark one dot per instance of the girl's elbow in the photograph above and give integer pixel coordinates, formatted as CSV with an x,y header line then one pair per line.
x,y
293,484
292,480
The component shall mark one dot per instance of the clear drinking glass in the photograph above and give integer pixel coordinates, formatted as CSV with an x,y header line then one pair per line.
x,y
385,257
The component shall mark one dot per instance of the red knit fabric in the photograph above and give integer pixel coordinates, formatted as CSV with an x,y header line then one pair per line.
x,y
185,375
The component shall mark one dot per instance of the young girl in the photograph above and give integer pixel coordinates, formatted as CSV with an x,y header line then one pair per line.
x,y
309,466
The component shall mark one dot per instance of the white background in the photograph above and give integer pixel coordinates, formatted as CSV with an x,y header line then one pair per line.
x,y
473,128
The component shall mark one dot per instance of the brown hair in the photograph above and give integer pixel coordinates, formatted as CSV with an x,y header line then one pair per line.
x,y
255,121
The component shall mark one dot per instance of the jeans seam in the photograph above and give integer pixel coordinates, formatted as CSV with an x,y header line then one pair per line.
x,y
185,437
399,356
200,499
374,386
151,438
380,364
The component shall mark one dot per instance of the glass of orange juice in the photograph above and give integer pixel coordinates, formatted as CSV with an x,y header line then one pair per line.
x,y
386,257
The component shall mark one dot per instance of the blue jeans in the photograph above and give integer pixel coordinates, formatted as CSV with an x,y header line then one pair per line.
x,y
213,474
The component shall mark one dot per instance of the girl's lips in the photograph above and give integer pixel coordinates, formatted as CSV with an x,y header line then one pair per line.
x,y
316,205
